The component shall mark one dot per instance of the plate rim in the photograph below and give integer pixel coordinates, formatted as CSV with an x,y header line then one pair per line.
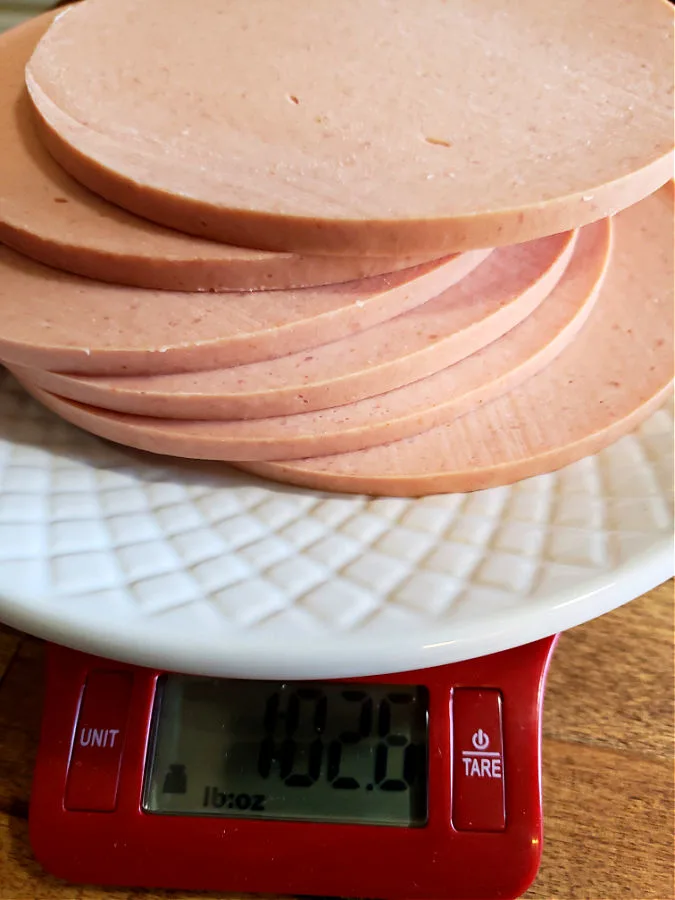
x,y
240,651
353,655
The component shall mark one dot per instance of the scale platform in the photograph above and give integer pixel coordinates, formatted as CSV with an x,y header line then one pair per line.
x,y
197,568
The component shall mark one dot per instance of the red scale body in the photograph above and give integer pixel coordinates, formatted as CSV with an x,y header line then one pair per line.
x,y
483,837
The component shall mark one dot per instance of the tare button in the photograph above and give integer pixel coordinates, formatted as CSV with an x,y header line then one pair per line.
x,y
478,799
98,742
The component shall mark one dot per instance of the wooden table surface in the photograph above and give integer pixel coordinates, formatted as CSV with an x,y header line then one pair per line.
x,y
608,763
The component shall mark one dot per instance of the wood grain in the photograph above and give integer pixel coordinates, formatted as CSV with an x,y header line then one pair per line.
x,y
608,764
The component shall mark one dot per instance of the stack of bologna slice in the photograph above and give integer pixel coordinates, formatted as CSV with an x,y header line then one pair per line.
x,y
398,248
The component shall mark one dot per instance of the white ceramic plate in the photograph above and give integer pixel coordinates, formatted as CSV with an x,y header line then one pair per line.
x,y
198,568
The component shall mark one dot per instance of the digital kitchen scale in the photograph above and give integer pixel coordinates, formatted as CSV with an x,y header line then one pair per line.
x,y
418,785
290,763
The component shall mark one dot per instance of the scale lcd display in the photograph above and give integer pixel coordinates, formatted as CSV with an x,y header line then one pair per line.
x,y
319,752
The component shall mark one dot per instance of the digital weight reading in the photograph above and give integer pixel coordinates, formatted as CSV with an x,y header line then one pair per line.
x,y
427,782
321,752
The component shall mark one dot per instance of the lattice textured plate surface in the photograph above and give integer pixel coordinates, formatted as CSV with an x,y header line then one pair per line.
x,y
196,567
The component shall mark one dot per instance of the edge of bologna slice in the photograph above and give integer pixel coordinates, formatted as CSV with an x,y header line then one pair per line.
x,y
480,308
478,378
47,215
65,323
610,379
498,122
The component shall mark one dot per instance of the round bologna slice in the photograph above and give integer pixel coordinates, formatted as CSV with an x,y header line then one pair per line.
x,y
409,410
466,317
392,127
49,216
59,321
616,373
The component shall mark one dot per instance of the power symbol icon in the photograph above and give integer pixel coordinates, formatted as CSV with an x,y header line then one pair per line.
x,y
480,740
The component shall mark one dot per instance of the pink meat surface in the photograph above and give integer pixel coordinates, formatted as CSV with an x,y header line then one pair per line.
x,y
604,384
501,366
63,322
382,129
509,285
50,217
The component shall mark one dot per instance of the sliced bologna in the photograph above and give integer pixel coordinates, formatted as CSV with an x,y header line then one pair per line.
x,y
507,362
616,373
394,127
50,217
63,322
468,316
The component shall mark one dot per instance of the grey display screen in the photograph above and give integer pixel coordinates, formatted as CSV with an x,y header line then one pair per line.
x,y
319,752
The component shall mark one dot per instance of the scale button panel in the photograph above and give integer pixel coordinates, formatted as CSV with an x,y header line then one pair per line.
x,y
94,769
478,797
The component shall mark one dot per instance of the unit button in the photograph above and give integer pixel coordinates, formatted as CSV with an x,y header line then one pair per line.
x,y
95,762
478,761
